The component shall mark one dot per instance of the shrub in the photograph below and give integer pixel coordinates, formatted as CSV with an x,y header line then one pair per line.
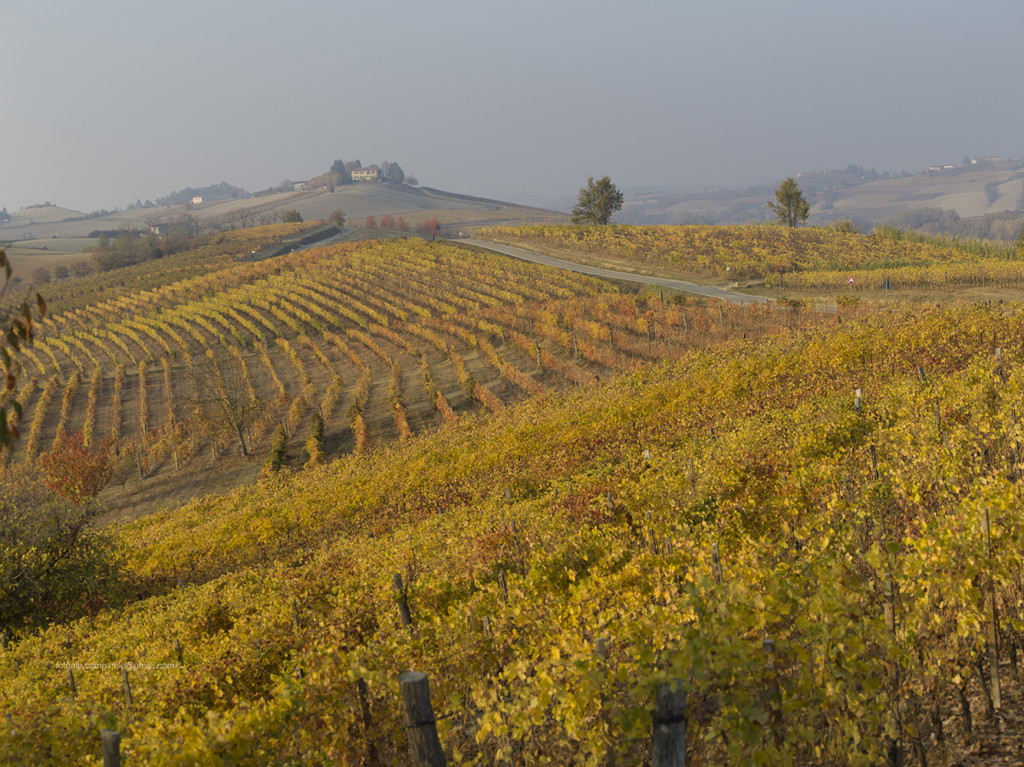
x,y
278,451
77,471
53,565
315,441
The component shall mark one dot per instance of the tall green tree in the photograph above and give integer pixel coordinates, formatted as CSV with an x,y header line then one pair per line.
x,y
596,202
792,207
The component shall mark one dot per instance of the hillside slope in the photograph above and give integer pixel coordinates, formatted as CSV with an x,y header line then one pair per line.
x,y
970,191
682,515
357,201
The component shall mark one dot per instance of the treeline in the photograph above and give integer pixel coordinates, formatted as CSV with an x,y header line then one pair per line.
x,y
221,191
1001,227
127,246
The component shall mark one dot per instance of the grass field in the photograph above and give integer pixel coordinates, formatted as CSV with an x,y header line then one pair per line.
x,y
62,244
24,260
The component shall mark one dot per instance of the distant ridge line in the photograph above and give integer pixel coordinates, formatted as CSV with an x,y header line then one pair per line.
x,y
471,198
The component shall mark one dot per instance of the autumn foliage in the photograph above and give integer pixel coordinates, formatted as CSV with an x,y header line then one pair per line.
x,y
75,470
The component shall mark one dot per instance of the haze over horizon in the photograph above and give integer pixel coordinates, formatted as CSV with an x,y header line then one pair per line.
x,y
106,103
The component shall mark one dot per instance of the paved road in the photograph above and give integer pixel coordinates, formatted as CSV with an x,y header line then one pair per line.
x,y
608,274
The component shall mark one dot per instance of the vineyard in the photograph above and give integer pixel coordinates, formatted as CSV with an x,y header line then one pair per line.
x,y
814,535
369,342
561,502
806,260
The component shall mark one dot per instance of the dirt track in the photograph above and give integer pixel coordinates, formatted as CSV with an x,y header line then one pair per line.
x,y
709,291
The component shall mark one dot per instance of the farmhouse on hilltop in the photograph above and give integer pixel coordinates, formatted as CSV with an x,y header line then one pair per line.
x,y
373,173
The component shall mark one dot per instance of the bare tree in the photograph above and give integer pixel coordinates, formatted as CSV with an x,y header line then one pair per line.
x,y
223,398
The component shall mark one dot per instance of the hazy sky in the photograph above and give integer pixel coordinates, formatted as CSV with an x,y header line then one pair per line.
x,y
108,101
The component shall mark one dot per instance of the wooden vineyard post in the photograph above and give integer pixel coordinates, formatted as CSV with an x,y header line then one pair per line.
x,y
504,586
111,740
1016,447
127,688
71,683
420,723
363,691
177,649
716,563
402,595
894,746
857,401
668,746
992,627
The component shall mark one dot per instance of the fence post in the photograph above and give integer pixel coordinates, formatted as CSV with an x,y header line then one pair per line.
x,y
419,720
111,740
668,747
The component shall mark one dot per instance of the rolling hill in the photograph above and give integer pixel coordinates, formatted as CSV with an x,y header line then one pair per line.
x,y
734,524
358,201
559,500
971,191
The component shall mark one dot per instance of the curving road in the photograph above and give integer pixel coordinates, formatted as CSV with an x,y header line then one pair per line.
x,y
608,274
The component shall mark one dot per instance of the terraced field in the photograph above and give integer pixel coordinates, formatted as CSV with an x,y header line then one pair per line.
x,y
381,340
